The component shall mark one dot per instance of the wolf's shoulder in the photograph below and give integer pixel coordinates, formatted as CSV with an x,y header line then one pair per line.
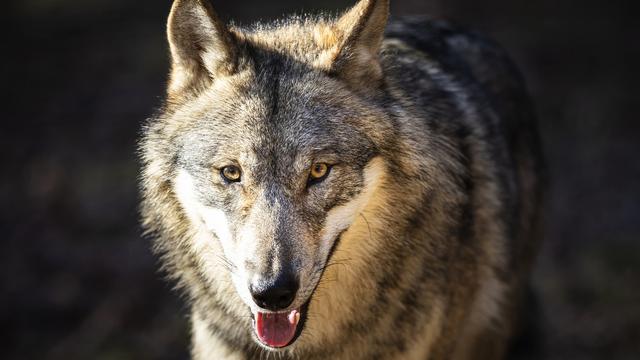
x,y
470,62
456,49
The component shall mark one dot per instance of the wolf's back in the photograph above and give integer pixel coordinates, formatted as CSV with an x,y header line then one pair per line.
x,y
475,96
483,78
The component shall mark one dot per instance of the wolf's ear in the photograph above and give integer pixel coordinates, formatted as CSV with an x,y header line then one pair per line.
x,y
360,33
202,47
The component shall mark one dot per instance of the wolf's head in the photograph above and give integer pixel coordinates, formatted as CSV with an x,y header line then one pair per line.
x,y
272,134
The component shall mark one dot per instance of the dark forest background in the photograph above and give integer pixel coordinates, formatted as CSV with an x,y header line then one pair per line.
x,y
79,282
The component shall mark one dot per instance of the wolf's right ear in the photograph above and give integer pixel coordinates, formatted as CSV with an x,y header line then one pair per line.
x,y
202,47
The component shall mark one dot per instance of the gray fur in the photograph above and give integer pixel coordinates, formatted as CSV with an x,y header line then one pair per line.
x,y
452,229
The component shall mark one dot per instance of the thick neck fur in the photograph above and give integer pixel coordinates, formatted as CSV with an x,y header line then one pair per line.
x,y
435,257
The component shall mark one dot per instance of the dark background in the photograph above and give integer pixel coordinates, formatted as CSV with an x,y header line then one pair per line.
x,y
77,279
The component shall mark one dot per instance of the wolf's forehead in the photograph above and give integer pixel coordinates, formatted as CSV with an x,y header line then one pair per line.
x,y
258,126
285,108
279,114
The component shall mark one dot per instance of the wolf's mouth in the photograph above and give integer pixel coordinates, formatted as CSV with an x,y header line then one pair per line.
x,y
276,329
279,329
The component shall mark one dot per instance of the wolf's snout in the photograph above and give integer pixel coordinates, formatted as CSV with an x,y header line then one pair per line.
x,y
274,294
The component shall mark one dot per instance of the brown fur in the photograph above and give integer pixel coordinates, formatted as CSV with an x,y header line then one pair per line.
x,y
437,160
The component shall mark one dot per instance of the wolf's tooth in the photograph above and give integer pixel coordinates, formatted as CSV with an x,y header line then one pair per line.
x,y
294,317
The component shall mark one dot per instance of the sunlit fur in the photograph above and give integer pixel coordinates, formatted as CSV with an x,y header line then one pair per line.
x,y
418,242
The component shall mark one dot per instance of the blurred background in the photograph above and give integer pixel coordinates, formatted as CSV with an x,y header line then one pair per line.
x,y
79,282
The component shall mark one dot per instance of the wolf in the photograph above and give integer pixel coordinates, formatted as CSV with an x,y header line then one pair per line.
x,y
343,187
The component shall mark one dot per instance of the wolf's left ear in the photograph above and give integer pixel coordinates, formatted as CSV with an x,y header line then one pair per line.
x,y
202,48
360,33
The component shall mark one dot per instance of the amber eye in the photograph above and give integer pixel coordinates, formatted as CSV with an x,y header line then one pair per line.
x,y
230,173
318,172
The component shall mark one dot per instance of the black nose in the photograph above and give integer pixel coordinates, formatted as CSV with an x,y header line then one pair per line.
x,y
274,294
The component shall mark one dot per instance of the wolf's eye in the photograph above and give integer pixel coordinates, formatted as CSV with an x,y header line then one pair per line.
x,y
230,173
319,172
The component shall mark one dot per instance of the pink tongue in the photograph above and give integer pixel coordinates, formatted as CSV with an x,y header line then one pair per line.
x,y
276,329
